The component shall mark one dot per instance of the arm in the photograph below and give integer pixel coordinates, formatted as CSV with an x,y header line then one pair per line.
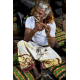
x,y
51,40
29,34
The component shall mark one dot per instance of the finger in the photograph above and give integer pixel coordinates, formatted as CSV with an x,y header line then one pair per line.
x,y
40,25
49,27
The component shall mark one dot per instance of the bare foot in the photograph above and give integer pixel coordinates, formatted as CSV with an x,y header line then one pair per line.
x,y
36,73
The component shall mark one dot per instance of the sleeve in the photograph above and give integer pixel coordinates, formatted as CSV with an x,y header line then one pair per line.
x,y
53,29
27,23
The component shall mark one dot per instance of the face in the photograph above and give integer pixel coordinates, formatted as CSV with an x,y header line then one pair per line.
x,y
39,13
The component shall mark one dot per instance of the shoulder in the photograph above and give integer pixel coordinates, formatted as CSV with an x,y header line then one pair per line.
x,y
30,19
52,24
29,23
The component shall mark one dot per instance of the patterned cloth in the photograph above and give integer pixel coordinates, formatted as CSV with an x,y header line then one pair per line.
x,y
59,71
60,36
28,52
18,74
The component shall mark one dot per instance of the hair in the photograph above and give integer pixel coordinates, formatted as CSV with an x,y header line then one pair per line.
x,y
48,11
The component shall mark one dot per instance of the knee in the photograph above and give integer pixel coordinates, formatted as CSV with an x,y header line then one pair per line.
x,y
21,42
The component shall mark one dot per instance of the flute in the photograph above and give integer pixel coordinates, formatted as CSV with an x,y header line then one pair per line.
x,y
42,23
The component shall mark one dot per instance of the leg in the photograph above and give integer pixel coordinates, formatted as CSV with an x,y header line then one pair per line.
x,y
36,73
25,59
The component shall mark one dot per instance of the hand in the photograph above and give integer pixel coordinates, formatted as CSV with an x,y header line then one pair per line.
x,y
48,32
38,27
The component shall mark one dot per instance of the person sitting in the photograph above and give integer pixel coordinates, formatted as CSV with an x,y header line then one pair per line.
x,y
39,28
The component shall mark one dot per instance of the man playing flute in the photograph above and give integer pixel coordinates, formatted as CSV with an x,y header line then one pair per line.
x,y
39,28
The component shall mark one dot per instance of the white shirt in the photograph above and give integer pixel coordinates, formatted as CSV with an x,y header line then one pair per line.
x,y
40,36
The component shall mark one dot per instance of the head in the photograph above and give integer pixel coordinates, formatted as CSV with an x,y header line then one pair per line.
x,y
42,10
